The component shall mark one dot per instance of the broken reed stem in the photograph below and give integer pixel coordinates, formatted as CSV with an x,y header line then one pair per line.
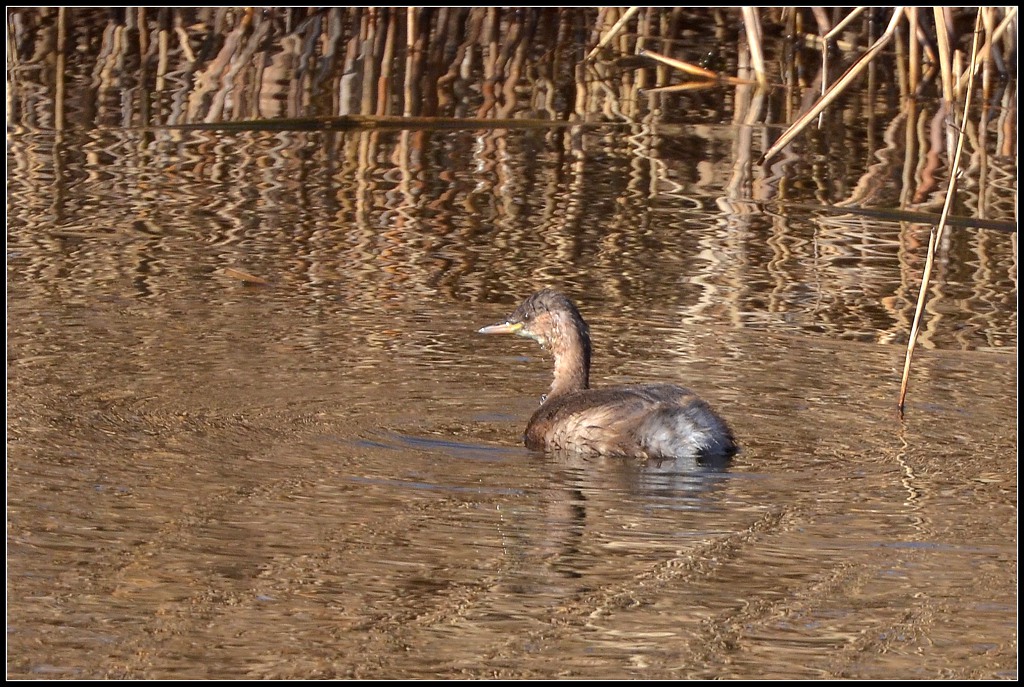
x,y
937,231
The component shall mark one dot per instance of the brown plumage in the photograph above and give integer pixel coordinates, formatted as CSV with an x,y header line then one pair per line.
x,y
640,420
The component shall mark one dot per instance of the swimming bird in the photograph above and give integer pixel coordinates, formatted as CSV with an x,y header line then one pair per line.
x,y
636,420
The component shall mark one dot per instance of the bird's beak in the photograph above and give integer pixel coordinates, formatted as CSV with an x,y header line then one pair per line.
x,y
502,328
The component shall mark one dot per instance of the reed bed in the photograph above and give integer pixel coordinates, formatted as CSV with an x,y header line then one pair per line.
x,y
295,62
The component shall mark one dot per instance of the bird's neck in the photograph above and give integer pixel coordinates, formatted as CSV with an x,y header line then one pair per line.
x,y
572,363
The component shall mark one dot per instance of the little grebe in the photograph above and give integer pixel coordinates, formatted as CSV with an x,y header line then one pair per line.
x,y
641,421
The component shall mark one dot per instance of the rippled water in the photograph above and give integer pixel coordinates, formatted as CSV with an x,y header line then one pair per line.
x,y
252,431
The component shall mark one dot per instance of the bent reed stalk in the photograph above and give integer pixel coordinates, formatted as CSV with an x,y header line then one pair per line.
x,y
937,231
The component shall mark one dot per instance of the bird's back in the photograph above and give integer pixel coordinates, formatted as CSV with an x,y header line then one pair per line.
x,y
641,421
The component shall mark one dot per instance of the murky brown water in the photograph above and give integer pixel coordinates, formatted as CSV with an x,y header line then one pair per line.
x,y
321,475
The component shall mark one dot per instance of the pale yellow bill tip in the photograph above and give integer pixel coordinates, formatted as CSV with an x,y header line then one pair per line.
x,y
502,328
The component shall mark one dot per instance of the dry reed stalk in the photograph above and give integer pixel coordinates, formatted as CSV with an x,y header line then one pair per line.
x,y
939,229
612,32
914,63
688,86
752,23
846,20
685,67
60,85
942,30
409,99
689,68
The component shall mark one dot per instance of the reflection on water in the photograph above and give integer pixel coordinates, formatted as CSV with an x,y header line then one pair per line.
x,y
318,472
332,231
